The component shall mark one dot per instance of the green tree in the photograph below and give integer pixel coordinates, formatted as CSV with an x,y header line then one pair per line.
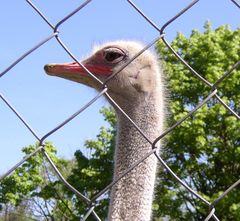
x,y
205,150
32,191
91,174
11,213
34,183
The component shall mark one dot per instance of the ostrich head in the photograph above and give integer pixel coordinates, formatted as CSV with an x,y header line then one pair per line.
x,y
137,79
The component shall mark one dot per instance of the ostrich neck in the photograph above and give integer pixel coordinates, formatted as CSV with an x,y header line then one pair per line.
x,y
131,197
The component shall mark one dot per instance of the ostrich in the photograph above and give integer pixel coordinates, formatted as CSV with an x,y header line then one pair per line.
x,y
138,90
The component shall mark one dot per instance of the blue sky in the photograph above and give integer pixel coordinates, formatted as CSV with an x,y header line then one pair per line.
x,y
46,101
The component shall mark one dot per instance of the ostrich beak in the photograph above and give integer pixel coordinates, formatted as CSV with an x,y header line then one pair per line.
x,y
73,71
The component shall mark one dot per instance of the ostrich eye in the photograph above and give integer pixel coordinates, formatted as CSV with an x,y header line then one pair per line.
x,y
113,55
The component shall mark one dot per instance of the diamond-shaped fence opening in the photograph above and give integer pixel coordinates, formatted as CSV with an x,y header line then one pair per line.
x,y
55,34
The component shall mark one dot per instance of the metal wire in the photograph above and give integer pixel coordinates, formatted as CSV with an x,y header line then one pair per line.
x,y
213,92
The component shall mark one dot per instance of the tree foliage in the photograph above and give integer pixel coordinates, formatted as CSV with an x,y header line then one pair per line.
x,y
35,183
204,150
32,191
93,173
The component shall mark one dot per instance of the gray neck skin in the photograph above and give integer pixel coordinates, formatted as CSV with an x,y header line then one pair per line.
x,y
131,197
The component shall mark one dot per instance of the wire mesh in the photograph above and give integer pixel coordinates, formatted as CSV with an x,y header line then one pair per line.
x,y
213,92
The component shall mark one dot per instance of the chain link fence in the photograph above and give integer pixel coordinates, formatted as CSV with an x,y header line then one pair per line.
x,y
213,92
